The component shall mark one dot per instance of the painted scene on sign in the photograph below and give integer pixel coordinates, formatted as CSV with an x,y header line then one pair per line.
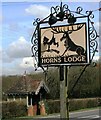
x,y
63,40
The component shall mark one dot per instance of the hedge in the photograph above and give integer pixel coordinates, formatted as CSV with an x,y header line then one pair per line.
x,y
19,109
53,106
74,104
77,104
13,109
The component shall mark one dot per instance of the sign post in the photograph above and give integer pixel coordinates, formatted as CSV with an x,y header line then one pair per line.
x,y
71,43
63,92
67,91
64,99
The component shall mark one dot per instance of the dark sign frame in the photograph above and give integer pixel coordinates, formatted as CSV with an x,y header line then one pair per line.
x,y
66,17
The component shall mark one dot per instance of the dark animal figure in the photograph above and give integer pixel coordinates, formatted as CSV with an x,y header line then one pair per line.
x,y
70,45
49,43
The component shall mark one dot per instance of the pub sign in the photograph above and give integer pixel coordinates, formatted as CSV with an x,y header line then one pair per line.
x,y
63,45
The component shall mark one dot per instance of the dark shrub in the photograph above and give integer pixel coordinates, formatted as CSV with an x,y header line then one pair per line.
x,y
13,109
53,106
74,104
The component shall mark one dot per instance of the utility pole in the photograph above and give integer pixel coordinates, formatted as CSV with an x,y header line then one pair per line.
x,y
64,106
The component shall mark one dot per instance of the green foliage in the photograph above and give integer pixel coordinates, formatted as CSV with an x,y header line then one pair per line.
x,y
74,104
53,83
89,85
37,76
92,103
77,104
53,107
13,109
8,81
19,109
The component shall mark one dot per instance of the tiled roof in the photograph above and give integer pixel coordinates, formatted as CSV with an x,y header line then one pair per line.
x,y
27,85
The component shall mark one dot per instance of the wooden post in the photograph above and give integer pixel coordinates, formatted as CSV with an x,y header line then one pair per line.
x,y
67,83
64,106
62,93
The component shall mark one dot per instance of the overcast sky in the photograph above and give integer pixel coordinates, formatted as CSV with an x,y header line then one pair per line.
x,y
17,28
